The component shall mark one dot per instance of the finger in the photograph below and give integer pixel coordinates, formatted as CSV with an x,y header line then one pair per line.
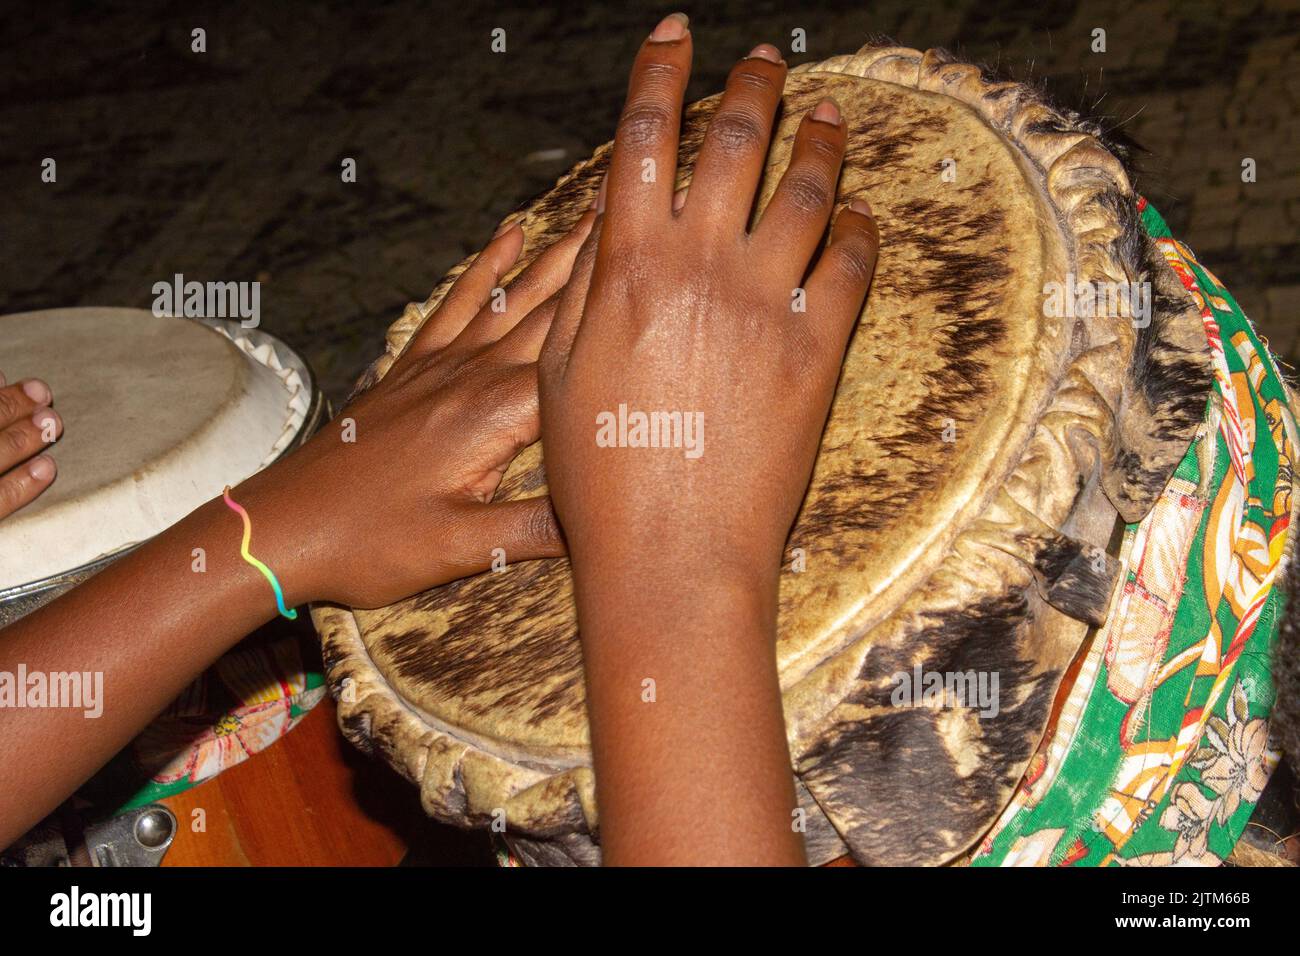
x,y
24,438
554,357
20,486
735,148
795,220
470,291
19,400
544,277
523,529
643,168
523,343
839,283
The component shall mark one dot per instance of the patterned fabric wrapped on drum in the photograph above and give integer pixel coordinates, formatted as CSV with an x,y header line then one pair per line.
x,y
1048,410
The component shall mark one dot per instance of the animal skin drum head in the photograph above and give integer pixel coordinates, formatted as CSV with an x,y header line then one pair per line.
x,y
161,413
979,452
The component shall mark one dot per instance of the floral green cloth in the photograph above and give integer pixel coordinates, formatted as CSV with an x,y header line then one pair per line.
x,y
1162,748
254,695
250,698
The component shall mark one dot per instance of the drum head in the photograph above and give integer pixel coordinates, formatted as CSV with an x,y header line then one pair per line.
x,y
975,457
945,349
160,414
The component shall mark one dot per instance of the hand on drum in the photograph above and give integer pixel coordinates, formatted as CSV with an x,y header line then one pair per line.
x,y
689,311
414,461
677,305
27,425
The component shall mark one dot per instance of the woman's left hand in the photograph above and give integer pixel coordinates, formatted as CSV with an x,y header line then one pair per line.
x,y
395,495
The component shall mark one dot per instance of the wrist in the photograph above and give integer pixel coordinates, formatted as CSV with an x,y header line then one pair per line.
x,y
282,536
674,597
196,566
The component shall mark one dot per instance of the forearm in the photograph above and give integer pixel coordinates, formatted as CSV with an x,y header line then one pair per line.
x,y
691,760
149,624
393,504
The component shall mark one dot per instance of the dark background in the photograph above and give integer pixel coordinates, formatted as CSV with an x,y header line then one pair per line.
x,y
225,165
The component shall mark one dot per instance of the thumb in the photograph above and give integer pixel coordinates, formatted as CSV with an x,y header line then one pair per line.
x,y
521,530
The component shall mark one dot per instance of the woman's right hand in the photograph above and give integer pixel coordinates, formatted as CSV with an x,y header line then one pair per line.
x,y
393,497
679,308
27,425
679,313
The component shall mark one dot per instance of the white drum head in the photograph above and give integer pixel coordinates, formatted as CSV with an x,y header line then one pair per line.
x,y
159,415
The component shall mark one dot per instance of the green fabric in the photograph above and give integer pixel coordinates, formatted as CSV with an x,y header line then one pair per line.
x,y
253,696
1078,815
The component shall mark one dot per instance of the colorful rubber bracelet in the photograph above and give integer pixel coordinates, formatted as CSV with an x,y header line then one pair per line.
x,y
290,613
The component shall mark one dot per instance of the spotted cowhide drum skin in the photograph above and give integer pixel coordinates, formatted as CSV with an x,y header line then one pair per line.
x,y
979,452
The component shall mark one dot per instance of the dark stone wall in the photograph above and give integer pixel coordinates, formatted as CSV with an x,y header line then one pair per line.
x,y
225,165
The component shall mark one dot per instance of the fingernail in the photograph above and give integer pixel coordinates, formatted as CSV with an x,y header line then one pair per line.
x,y
861,206
504,228
37,391
42,418
679,199
671,27
41,468
765,51
600,195
827,112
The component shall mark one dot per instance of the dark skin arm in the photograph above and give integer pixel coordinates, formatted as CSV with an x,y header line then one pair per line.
x,y
404,507
676,305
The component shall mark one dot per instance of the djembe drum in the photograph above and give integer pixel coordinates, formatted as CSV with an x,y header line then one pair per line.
x,y
982,451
